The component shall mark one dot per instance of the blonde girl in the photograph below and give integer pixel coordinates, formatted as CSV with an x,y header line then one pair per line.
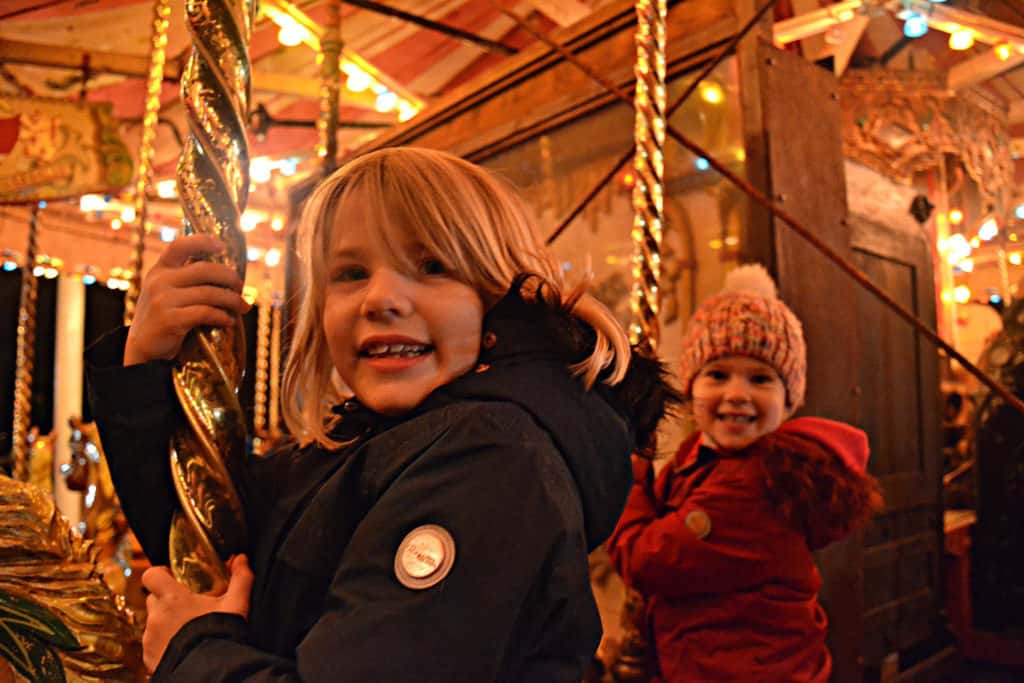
x,y
463,424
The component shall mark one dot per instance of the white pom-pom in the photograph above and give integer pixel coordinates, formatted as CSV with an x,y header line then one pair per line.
x,y
751,278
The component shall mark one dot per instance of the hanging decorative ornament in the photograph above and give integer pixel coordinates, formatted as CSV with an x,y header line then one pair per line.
x,y
144,177
213,183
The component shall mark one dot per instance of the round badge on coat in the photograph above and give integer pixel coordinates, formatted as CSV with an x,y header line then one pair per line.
x,y
699,523
424,557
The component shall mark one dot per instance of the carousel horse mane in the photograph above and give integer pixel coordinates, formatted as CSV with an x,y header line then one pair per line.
x,y
87,471
47,571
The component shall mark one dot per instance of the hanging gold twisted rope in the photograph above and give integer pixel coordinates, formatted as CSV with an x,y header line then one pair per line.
x,y
649,167
25,355
157,57
213,183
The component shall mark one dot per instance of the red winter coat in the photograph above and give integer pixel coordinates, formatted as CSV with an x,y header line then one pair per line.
x,y
720,545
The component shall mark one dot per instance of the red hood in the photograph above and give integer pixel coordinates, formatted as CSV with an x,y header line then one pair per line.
x,y
847,442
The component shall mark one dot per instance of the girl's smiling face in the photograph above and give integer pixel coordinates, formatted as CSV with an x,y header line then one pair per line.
x,y
397,322
736,401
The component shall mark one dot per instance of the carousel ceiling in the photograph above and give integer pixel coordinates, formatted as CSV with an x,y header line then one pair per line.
x,y
400,56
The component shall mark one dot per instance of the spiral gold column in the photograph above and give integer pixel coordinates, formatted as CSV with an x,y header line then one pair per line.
x,y
213,183
633,662
330,89
25,355
157,57
649,169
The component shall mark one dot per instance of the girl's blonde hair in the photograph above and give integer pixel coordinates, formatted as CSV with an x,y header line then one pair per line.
x,y
471,221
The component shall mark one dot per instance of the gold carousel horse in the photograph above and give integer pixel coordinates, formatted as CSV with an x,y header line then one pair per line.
x,y
59,620
103,521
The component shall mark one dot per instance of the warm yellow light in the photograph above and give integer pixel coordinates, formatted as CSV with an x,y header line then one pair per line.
x,y
358,81
272,257
406,110
277,224
961,39
1004,51
291,33
966,265
115,224
956,216
165,189
711,93
962,294
1014,258
1013,237
127,214
975,242
715,244
741,154
386,101
249,221
947,296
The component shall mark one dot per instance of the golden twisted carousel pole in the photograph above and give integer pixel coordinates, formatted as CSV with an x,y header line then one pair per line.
x,y
330,89
275,370
634,658
213,183
157,57
25,355
259,413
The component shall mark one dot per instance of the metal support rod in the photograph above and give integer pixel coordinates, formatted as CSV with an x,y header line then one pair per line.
x,y
789,220
446,29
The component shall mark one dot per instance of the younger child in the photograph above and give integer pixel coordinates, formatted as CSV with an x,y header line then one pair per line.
x,y
464,427
720,543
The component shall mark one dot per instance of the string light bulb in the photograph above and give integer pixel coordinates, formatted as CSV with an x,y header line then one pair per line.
x,y
961,39
1003,51
915,25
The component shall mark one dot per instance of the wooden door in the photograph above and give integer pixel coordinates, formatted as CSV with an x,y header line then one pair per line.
x,y
900,411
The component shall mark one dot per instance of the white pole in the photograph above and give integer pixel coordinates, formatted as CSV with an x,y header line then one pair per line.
x,y
67,386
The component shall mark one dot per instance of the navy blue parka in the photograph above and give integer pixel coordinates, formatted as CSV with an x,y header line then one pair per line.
x,y
524,468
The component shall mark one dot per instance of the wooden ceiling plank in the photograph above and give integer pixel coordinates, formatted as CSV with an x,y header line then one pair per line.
x,y
451,65
37,54
979,69
813,23
562,12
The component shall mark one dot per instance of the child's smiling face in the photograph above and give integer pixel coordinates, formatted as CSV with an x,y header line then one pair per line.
x,y
736,401
397,325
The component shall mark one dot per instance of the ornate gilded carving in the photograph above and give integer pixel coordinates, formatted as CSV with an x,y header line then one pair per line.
x,y
213,183
48,579
899,123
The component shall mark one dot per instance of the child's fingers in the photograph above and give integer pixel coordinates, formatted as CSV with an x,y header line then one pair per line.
x,y
201,315
181,250
236,597
157,580
208,295
205,273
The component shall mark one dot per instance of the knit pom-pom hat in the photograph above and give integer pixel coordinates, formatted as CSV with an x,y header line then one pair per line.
x,y
747,318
